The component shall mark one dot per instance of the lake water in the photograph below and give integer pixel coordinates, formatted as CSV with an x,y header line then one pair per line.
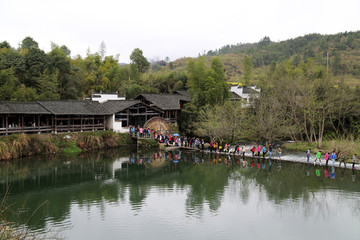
x,y
179,195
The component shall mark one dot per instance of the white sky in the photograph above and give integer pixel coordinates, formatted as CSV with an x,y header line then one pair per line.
x,y
167,27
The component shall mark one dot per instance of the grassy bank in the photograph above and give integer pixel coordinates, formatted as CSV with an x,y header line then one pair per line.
x,y
19,145
349,145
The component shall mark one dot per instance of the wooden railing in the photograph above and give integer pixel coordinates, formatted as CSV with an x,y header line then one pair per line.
x,y
57,128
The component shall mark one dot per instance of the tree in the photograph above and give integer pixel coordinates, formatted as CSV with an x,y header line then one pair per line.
x,y
4,44
28,43
24,94
207,86
337,66
296,60
60,65
36,61
66,50
47,86
102,50
187,119
139,60
221,121
247,67
264,42
7,84
268,121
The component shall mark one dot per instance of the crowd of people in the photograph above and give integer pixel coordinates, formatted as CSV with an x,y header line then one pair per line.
x,y
255,151
334,156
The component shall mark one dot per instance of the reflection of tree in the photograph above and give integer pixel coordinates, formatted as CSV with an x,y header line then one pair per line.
x,y
137,194
206,184
291,186
85,181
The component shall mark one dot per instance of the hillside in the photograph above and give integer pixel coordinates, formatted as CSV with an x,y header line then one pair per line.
x,y
342,49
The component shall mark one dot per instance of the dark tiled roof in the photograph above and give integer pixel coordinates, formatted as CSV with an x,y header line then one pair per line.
x,y
249,90
74,107
185,93
234,95
115,106
22,108
164,101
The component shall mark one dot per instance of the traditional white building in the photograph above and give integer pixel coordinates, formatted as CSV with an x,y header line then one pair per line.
x,y
246,94
103,97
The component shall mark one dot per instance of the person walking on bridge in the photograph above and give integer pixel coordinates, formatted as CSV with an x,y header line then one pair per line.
x,y
343,159
308,152
318,157
244,150
333,157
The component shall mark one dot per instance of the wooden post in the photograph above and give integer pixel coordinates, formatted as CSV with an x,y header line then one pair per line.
x,y
7,124
93,121
22,123
39,124
127,119
81,124
55,123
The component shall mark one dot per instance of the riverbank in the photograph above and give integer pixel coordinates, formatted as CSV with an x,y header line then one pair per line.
x,y
349,146
21,145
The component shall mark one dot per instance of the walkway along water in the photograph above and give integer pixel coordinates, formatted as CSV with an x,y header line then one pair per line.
x,y
289,156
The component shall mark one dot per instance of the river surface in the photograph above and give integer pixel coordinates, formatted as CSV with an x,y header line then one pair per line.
x,y
179,195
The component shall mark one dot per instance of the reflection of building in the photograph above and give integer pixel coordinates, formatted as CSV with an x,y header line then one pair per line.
x,y
247,94
117,165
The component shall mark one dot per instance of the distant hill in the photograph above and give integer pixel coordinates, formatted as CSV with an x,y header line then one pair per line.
x,y
342,49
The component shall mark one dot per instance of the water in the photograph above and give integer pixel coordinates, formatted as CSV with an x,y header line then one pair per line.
x,y
180,195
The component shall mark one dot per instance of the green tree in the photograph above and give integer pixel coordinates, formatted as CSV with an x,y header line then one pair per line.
x,y
36,61
138,58
24,94
60,64
207,86
7,84
247,68
4,44
187,119
28,43
337,66
133,90
47,86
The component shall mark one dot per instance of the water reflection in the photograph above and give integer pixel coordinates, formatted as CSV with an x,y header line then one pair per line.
x,y
120,178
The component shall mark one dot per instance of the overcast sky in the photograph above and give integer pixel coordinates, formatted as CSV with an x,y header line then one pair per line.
x,y
169,27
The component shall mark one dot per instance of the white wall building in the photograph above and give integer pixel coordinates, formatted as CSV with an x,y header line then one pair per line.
x,y
247,94
103,97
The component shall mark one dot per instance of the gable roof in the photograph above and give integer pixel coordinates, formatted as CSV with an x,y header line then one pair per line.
x,y
74,107
234,95
249,90
185,93
115,106
164,101
22,108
